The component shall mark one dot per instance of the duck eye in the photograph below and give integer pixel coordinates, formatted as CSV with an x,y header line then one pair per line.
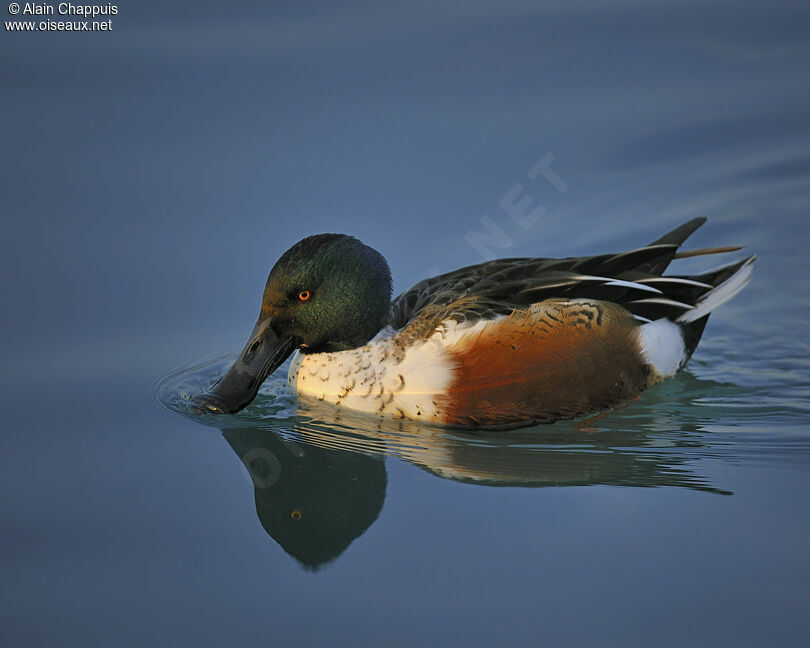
x,y
304,295
296,515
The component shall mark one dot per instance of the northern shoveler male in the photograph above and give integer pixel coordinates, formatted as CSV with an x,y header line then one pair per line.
x,y
502,343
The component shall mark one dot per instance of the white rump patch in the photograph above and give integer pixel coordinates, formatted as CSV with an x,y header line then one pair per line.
x,y
662,346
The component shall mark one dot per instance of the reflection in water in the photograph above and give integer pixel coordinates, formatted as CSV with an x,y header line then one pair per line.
x,y
642,445
320,480
313,502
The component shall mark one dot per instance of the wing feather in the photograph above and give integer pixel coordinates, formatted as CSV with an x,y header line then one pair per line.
x,y
632,279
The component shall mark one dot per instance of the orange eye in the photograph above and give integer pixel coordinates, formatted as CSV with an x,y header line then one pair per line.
x,y
296,515
304,295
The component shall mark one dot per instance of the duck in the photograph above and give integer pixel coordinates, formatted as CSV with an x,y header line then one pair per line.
x,y
501,344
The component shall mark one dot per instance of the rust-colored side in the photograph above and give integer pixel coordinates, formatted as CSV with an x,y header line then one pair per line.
x,y
557,359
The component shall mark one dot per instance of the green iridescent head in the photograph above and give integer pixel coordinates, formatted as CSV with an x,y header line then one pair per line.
x,y
328,292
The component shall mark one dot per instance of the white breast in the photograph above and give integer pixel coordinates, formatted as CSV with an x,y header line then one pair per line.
x,y
383,377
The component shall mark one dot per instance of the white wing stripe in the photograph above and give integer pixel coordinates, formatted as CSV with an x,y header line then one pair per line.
x,y
676,280
721,293
609,281
664,301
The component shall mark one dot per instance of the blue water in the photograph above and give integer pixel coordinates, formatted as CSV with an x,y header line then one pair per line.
x,y
153,174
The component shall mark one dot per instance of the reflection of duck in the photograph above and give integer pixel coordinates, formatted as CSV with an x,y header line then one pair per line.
x,y
507,342
320,481
314,502
641,445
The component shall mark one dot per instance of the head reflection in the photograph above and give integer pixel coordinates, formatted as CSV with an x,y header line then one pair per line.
x,y
312,501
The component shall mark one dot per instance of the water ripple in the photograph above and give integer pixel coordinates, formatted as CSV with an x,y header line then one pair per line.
x,y
665,438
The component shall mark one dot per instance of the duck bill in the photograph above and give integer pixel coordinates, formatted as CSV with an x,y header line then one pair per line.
x,y
262,355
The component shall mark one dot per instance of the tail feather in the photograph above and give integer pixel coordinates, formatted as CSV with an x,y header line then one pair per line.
x,y
675,238
676,317
727,281
704,251
692,333
718,275
681,233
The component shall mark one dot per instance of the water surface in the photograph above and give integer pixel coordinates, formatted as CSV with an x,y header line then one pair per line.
x,y
153,175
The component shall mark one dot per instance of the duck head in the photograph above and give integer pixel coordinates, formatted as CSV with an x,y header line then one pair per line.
x,y
328,292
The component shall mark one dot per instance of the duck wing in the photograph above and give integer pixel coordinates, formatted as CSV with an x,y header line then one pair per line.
x,y
632,279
